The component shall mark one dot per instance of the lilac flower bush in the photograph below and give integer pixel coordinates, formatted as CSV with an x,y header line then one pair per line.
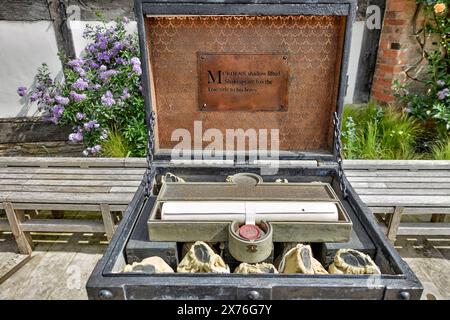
x,y
101,91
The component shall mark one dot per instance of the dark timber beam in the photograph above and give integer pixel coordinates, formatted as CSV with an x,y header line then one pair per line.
x,y
58,14
368,58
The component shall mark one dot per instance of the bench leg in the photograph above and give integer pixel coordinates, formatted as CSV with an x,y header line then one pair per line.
x,y
107,220
394,223
23,239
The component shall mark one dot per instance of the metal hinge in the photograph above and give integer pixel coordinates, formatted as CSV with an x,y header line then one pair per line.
x,y
338,149
151,171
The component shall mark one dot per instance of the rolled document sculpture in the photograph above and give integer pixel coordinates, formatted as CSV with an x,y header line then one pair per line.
x,y
241,210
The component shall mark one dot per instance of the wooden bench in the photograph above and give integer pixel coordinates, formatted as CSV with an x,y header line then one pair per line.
x,y
406,187
391,188
64,184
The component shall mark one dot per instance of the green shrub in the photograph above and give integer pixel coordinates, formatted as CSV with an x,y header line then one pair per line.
x,y
372,132
115,145
441,151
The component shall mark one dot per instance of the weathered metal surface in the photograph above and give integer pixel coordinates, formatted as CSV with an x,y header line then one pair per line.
x,y
396,273
243,82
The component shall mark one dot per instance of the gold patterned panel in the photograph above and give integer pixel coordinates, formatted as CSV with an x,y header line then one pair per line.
x,y
314,45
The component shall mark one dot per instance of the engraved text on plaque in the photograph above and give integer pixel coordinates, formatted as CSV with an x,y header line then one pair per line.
x,y
243,82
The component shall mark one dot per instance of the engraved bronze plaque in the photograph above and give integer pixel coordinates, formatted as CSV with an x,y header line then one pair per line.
x,y
243,82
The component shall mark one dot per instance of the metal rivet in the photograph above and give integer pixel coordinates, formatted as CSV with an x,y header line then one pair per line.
x,y
253,295
404,295
105,294
284,57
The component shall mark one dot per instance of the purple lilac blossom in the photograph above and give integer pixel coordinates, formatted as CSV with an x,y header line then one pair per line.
x,y
91,124
440,83
91,48
48,99
58,110
136,63
96,148
62,100
93,65
105,75
21,91
96,87
85,153
120,60
107,99
80,116
80,84
105,56
76,136
34,97
102,68
443,94
77,97
76,63
80,71
125,94
102,41
125,20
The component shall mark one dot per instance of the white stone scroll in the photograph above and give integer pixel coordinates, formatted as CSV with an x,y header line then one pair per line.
x,y
249,211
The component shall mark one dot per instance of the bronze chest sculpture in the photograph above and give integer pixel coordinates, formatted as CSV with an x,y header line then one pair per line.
x,y
252,67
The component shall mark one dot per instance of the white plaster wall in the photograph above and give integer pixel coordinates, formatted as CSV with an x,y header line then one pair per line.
x,y
24,46
355,50
77,28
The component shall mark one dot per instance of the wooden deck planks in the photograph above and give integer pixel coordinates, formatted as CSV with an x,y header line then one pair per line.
x,y
59,268
430,266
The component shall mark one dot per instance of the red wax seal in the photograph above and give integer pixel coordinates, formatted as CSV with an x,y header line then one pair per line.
x,y
249,231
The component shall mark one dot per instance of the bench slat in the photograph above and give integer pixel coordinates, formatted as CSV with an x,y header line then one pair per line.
x,y
397,173
419,192
86,176
91,171
59,225
97,183
401,185
64,206
434,229
405,201
396,164
412,210
53,197
400,179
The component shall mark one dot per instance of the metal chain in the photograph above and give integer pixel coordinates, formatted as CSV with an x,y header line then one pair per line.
x,y
151,171
338,148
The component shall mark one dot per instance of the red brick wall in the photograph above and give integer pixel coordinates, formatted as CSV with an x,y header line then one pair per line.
x,y
397,50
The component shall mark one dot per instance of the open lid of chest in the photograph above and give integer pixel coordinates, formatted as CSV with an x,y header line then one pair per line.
x,y
238,77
